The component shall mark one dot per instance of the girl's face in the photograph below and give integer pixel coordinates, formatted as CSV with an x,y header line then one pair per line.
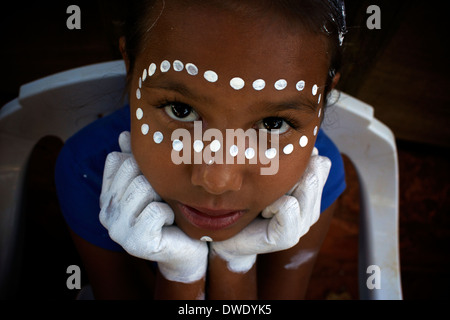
x,y
219,200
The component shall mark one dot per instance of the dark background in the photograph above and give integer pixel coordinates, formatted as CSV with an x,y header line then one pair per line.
x,y
402,70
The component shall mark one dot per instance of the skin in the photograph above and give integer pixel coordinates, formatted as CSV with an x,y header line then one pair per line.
x,y
251,50
224,186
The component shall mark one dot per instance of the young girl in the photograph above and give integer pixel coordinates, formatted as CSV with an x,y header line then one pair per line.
x,y
252,73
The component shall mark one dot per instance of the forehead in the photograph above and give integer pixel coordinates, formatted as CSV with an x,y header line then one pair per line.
x,y
232,43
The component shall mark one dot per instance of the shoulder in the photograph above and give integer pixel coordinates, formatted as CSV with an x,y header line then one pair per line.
x,y
79,174
87,149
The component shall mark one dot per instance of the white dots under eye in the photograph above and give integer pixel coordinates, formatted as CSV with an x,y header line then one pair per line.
x,y
177,145
249,153
165,66
144,129
271,153
288,149
320,97
139,113
300,85
237,83
281,84
234,150
210,76
178,65
259,84
192,69
320,112
303,141
314,89
140,82
198,146
158,137
151,69
215,146
315,130
144,74
138,93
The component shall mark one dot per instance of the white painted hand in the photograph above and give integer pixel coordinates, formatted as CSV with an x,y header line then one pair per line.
x,y
287,220
137,220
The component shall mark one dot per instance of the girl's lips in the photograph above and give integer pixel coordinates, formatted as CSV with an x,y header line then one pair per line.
x,y
210,219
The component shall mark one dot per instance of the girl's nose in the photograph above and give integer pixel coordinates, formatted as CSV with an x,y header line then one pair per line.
x,y
217,178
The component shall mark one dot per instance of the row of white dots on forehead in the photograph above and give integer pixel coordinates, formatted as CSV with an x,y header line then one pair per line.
x,y
215,145
236,83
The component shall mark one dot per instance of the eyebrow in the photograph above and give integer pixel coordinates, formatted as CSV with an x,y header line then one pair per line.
x,y
181,88
298,104
294,104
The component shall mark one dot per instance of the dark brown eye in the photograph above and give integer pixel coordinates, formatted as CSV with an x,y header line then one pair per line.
x,y
181,112
272,123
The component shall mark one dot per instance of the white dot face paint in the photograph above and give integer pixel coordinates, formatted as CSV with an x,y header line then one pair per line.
x,y
138,93
320,97
178,65
281,84
303,141
158,137
234,150
151,69
315,130
314,89
215,146
198,146
177,145
249,153
192,69
144,129
271,153
300,85
144,74
210,76
206,238
165,66
288,149
320,112
139,113
140,82
259,84
237,83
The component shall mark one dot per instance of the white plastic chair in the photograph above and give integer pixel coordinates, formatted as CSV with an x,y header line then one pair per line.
x,y
61,104
371,147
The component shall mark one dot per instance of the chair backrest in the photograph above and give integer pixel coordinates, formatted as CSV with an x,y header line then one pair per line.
x,y
57,105
61,104
371,147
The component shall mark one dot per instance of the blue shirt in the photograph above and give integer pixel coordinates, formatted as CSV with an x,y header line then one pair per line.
x,y
79,175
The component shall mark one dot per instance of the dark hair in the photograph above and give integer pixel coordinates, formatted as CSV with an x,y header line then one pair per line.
x,y
325,17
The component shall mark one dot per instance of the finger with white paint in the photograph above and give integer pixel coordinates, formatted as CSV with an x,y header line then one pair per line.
x,y
287,220
308,191
125,142
180,258
278,233
136,219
